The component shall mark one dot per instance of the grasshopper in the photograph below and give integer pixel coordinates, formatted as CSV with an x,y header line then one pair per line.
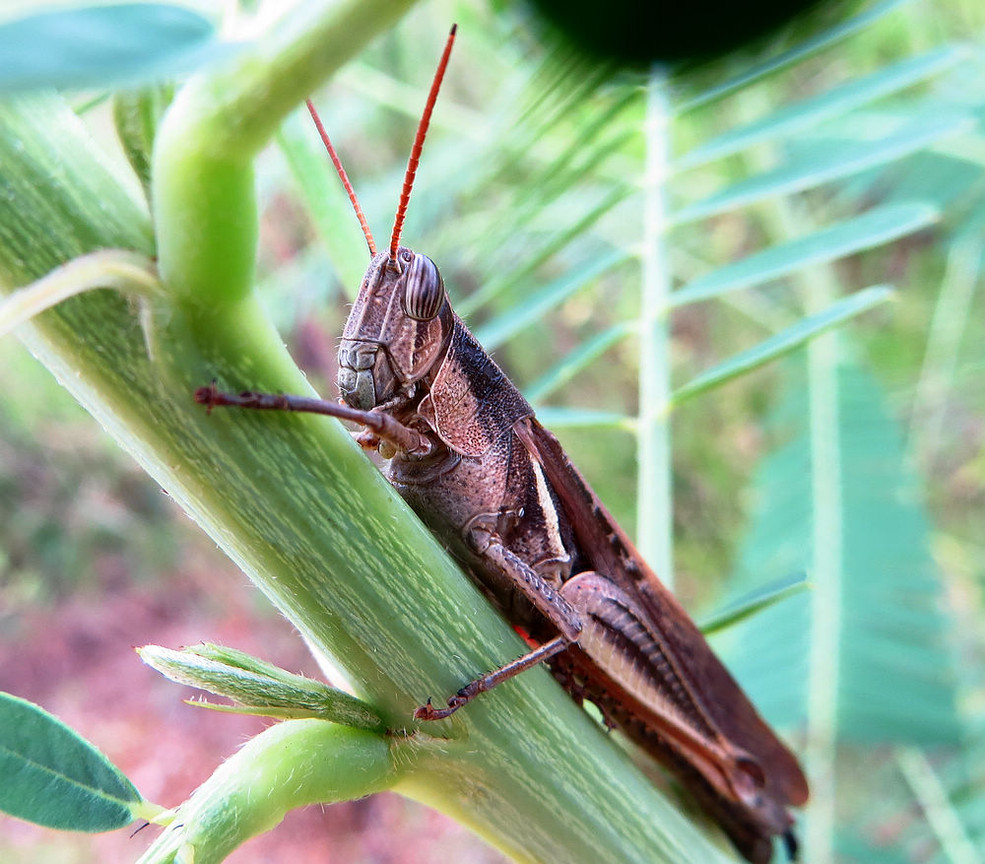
x,y
466,452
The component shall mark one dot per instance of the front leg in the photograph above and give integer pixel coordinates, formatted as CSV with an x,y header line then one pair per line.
x,y
382,426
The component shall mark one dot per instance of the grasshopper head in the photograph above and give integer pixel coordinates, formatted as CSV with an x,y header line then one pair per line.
x,y
401,321
396,332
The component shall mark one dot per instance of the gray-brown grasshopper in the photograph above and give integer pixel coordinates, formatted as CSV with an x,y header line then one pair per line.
x,y
467,454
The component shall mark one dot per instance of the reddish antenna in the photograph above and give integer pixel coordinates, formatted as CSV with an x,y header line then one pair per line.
x,y
343,176
415,152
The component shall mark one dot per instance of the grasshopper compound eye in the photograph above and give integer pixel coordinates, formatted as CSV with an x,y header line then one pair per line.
x,y
424,291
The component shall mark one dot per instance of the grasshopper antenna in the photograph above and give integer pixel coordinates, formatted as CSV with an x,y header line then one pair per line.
x,y
343,177
415,153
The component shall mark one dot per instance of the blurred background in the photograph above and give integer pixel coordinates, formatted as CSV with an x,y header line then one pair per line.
x,y
844,483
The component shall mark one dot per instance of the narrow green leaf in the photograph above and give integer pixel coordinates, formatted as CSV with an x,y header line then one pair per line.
x,y
54,777
755,601
827,166
257,685
829,37
136,114
880,225
582,357
104,46
538,304
804,114
557,242
785,341
559,418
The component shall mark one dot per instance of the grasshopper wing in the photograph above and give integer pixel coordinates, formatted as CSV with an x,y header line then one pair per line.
x,y
731,760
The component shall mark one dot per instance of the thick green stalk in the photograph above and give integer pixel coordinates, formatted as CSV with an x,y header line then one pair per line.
x,y
295,503
204,209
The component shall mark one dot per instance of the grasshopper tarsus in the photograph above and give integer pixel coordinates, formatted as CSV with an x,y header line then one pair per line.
x,y
493,679
427,712
791,845
206,396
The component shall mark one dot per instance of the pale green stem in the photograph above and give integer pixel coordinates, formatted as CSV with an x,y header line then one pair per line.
x,y
827,574
291,764
128,272
204,207
944,821
950,321
654,507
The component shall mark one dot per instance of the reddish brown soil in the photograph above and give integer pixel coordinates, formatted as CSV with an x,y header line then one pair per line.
x,y
74,657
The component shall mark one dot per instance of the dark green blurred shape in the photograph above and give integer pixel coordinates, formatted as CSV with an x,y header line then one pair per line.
x,y
637,33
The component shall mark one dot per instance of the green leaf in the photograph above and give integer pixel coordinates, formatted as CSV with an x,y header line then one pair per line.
x,y
104,46
895,676
540,303
877,226
137,115
830,164
946,181
799,116
754,602
260,686
582,357
54,777
559,418
826,39
785,341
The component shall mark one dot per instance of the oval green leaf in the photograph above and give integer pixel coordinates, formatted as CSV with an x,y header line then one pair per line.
x,y
103,46
54,777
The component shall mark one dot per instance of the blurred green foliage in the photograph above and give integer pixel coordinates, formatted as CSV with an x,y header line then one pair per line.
x,y
534,172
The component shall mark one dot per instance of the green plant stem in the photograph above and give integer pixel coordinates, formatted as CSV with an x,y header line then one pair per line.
x,y
654,507
827,572
291,764
204,207
294,502
945,821
819,289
